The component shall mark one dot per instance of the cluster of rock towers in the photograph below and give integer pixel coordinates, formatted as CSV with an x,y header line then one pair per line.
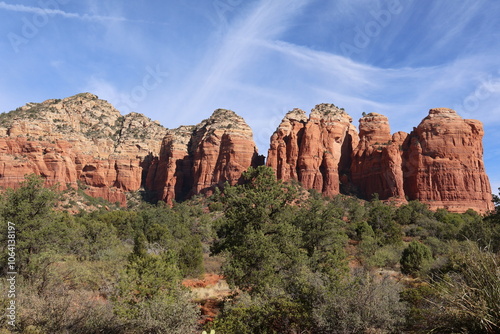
x,y
82,139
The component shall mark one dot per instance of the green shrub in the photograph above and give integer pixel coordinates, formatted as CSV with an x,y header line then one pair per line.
x,y
363,304
387,256
149,295
422,314
363,230
414,258
266,315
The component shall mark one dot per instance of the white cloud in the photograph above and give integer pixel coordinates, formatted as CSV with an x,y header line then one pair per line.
x,y
69,15
48,11
225,61
406,85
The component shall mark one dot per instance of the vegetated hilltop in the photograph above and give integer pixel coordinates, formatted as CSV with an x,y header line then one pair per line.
x,y
82,138
85,139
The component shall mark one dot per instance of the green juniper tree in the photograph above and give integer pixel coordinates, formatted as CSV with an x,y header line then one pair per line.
x,y
414,258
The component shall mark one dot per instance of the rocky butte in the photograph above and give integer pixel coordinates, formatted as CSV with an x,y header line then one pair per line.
x,y
195,159
377,165
78,139
443,163
84,141
314,150
439,163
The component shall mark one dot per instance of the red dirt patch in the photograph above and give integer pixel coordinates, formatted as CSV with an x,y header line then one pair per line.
x,y
208,280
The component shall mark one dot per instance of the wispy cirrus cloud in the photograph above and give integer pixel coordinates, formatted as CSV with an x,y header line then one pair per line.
x,y
49,11
351,74
69,15
225,60
403,94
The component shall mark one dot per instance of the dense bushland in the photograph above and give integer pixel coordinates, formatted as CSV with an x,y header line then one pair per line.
x,y
297,263
100,272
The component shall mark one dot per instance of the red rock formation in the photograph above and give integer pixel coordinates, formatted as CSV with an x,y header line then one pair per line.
x,y
283,155
195,159
222,148
444,163
61,165
80,138
440,163
170,176
376,162
19,157
314,151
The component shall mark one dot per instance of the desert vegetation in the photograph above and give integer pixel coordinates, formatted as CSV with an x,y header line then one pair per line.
x,y
296,262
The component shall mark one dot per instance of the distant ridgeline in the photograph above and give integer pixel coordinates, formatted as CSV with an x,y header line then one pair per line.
x,y
84,141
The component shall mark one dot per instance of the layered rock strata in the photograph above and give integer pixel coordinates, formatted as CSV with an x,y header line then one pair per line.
x,y
78,139
377,160
83,141
170,177
443,163
283,154
315,150
195,159
439,163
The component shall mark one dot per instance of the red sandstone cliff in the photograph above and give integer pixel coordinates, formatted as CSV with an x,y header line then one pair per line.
x,y
80,138
195,159
444,163
314,151
283,155
376,162
170,177
440,163
84,139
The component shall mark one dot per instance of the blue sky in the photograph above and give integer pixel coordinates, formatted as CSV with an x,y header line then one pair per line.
x,y
177,61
